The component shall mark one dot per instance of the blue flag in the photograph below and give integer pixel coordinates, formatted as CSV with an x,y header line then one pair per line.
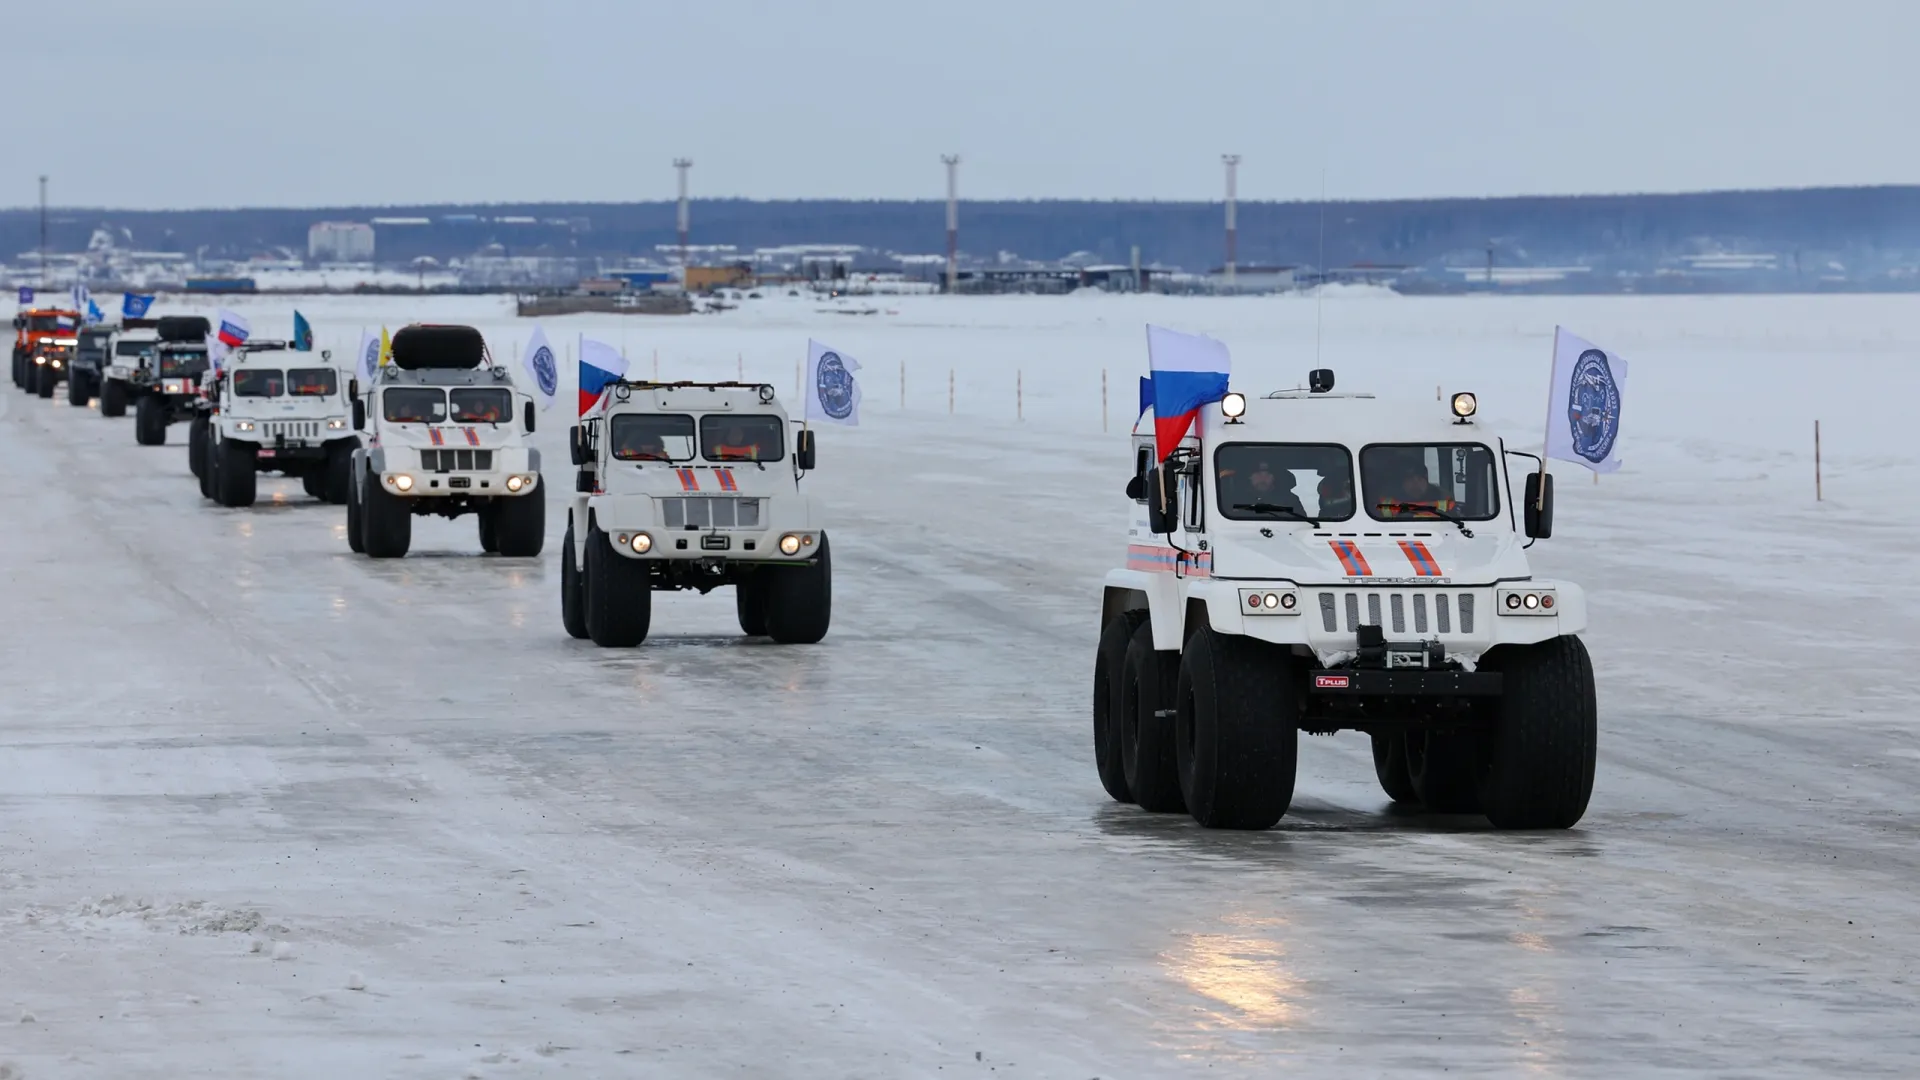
x,y
135,307
94,314
1146,396
26,296
302,333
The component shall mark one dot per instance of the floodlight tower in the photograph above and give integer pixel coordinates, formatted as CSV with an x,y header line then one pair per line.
x,y
1232,162
682,165
952,161
43,232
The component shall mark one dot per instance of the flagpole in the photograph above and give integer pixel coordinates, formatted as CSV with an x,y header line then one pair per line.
x,y
1546,432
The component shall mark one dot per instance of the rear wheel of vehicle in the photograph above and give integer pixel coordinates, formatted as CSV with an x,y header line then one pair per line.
x,y
573,613
79,389
750,605
619,594
1444,768
1108,664
799,599
1236,729
336,483
386,520
1390,766
197,436
519,524
1540,755
1147,680
113,398
356,539
236,483
150,421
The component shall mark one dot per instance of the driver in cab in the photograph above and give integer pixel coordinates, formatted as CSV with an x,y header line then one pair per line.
x,y
638,444
1258,489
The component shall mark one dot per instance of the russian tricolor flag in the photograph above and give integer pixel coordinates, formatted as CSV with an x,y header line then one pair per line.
x,y
601,365
1189,371
233,331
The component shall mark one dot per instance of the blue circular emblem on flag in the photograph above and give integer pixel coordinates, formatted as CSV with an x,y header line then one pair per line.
x,y
371,361
1593,406
834,387
545,371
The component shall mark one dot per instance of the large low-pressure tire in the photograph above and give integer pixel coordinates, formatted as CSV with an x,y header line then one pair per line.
x,y
44,379
1390,767
750,605
19,380
800,599
150,421
314,483
113,397
519,524
1444,767
336,477
235,481
79,389
1236,729
1108,664
199,431
386,521
1538,771
573,612
489,536
619,594
356,538
1147,680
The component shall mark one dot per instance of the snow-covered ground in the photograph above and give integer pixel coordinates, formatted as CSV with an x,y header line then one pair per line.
x,y
269,809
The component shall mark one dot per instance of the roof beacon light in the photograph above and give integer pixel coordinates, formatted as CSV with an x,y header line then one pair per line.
x,y
1233,406
1464,405
1320,381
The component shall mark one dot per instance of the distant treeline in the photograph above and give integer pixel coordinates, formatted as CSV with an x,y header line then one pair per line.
x,y
1869,225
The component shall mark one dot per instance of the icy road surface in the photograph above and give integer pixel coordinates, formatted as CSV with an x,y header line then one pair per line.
x,y
269,809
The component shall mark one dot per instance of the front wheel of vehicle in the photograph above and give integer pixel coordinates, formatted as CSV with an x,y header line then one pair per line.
x,y
356,539
79,389
519,524
386,520
150,421
1541,752
573,613
1109,661
1147,680
800,599
113,398
1236,729
237,483
47,377
619,594
197,436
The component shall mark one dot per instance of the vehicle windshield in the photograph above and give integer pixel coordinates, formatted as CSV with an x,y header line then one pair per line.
x,y
188,361
1435,481
93,343
312,382
652,437
414,405
724,437
482,405
259,382
49,322
133,348
1284,481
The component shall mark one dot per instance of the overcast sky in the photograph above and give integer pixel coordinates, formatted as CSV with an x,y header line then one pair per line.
x,y
196,103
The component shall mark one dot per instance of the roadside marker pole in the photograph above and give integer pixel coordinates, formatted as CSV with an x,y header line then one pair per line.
x,y
740,363
797,385
949,391
1019,395
1817,494
903,386
1103,401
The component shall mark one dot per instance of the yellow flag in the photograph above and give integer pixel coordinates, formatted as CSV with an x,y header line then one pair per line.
x,y
386,348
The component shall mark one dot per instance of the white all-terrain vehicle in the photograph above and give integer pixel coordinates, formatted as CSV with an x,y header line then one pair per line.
x,y
273,409
693,486
129,351
1312,561
447,434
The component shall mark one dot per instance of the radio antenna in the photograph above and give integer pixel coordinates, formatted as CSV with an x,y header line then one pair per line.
x,y
1320,294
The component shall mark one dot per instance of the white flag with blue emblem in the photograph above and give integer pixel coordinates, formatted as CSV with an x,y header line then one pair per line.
x,y
543,370
366,362
1583,403
833,394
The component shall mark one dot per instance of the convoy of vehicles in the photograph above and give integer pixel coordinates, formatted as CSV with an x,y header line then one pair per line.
x,y
693,486
447,434
1316,561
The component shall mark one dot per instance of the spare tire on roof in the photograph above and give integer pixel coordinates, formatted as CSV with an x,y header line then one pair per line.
x,y
420,346
184,328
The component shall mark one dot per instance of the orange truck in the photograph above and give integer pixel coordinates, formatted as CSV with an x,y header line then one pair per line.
x,y
51,329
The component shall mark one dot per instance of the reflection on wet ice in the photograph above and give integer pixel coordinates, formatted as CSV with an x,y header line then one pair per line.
x,y
1245,973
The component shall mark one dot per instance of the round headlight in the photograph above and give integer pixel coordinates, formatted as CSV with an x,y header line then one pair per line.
x,y
1233,406
789,544
403,482
1513,601
642,543
1272,600
1531,601
1288,601
514,483
1464,405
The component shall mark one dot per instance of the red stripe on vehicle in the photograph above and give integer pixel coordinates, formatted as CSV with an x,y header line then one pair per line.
x,y
688,481
1424,564
1350,558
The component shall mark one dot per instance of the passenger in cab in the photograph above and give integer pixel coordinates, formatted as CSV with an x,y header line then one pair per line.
x,y
309,384
736,447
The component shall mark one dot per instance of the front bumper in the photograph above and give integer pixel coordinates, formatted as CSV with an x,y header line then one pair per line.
x,y
730,545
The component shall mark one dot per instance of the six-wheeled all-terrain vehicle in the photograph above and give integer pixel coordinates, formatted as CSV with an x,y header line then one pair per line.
x,y
271,408
48,363
1313,561
693,486
131,349
165,388
39,327
447,434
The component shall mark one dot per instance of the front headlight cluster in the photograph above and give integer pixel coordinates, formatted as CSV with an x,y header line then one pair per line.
x,y
1269,602
641,543
1528,602
336,424
244,425
793,543
400,481
519,482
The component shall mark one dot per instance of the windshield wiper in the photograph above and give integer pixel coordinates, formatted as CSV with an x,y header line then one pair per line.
x,y
1426,508
1275,508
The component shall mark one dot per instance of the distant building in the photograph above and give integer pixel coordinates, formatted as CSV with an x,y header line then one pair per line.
x,y
340,241
1253,277
704,278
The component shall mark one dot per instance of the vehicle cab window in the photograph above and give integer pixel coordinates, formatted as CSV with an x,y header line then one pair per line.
x,y
652,437
313,382
1412,482
725,437
481,405
1284,481
413,405
258,382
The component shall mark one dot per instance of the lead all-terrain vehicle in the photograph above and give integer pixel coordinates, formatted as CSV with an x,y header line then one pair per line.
x,y
693,486
448,435
1319,562
34,327
271,409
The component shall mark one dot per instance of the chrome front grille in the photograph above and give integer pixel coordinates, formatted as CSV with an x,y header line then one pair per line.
x,y
270,430
711,512
1448,610
456,460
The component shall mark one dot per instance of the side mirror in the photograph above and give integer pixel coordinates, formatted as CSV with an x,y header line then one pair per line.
x,y
359,415
803,451
326,354
1163,500
1136,488
529,417
19,322
574,450
1538,512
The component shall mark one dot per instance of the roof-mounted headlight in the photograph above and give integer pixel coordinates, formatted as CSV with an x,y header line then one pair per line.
x,y
1465,405
1233,406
